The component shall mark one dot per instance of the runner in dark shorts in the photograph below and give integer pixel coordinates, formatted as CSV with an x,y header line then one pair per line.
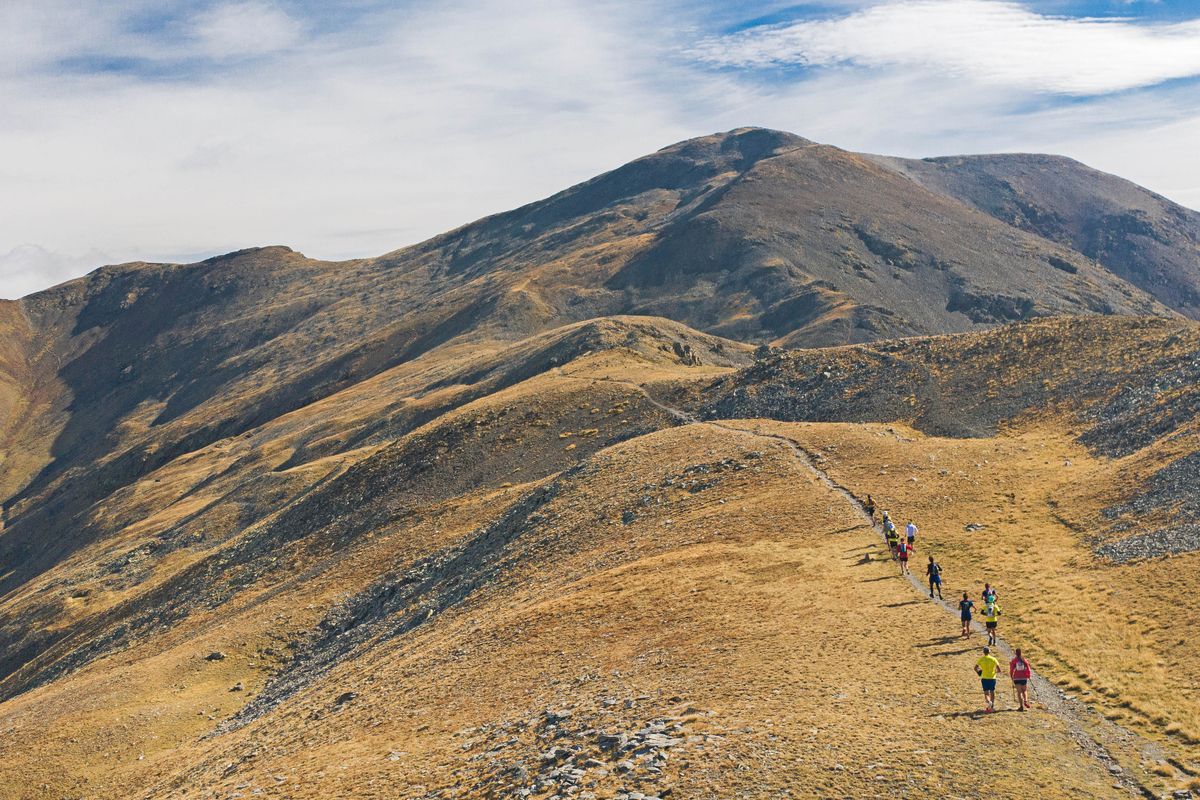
x,y
902,554
934,571
890,533
1020,672
987,667
964,613
991,617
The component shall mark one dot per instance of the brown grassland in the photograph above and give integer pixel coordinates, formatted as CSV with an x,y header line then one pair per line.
x,y
696,580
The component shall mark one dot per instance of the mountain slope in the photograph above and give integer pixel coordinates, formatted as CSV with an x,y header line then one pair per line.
x,y
1140,236
409,503
754,234
413,609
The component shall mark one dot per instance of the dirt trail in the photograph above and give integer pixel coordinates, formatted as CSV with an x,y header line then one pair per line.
x,y
1079,718
1089,729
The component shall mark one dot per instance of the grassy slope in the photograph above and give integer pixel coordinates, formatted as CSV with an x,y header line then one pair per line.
x,y
738,611
750,621
1110,633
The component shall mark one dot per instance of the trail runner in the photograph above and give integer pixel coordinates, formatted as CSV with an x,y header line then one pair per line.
x,y
934,571
991,618
964,613
987,667
1020,672
989,594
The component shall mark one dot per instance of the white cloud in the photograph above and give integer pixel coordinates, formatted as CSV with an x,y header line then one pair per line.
x,y
28,268
34,33
1158,156
240,30
344,145
999,43
357,140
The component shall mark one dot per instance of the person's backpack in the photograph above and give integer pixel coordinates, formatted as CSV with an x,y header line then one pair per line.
x,y
1021,670
934,569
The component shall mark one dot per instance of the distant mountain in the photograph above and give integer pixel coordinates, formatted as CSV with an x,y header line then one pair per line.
x,y
754,235
1140,236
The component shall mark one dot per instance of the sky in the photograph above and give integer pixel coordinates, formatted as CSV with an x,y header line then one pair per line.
x,y
173,131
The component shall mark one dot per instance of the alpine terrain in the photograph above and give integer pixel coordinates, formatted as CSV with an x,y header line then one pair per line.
x,y
572,501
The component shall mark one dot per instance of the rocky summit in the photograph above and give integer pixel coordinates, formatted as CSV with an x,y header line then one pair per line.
x,y
575,501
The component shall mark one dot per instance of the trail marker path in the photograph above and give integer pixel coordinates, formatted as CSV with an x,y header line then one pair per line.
x,y
1080,720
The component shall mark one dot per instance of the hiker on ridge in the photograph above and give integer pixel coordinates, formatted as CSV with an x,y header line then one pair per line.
x,y
910,531
934,571
964,613
902,550
987,667
1020,672
869,507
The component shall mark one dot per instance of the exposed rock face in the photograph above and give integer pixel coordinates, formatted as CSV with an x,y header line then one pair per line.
x,y
1144,238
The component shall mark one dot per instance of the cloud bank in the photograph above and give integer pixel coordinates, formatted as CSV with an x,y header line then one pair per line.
x,y
999,43
171,130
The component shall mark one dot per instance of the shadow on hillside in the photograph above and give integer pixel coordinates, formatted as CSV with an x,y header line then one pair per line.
x,y
963,651
941,640
973,714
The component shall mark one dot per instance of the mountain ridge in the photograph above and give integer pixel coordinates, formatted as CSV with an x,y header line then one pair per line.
x,y
268,516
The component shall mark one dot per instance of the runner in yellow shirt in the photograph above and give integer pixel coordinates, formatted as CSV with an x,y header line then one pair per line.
x,y
987,668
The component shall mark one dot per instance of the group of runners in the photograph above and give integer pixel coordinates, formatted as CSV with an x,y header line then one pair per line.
x,y
901,546
988,667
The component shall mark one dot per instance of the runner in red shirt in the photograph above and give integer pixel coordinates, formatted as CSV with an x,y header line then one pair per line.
x,y
1020,672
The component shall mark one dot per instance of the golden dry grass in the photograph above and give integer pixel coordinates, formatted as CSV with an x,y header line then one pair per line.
x,y
1112,634
757,614
743,609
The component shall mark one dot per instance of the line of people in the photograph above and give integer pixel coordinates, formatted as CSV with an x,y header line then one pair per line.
x,y
901,547
988,666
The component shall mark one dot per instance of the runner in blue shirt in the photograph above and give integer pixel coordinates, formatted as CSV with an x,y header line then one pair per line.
x,y
934,571
964,613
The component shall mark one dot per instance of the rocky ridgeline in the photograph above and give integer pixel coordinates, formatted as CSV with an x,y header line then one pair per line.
x,y
588,751
969,386
693,479
1170,497
935,383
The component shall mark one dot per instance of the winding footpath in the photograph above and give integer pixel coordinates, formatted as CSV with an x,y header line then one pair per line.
x,y
1088,728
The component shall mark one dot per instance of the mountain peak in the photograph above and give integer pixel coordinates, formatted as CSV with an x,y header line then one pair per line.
x,y
264,515
749,143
